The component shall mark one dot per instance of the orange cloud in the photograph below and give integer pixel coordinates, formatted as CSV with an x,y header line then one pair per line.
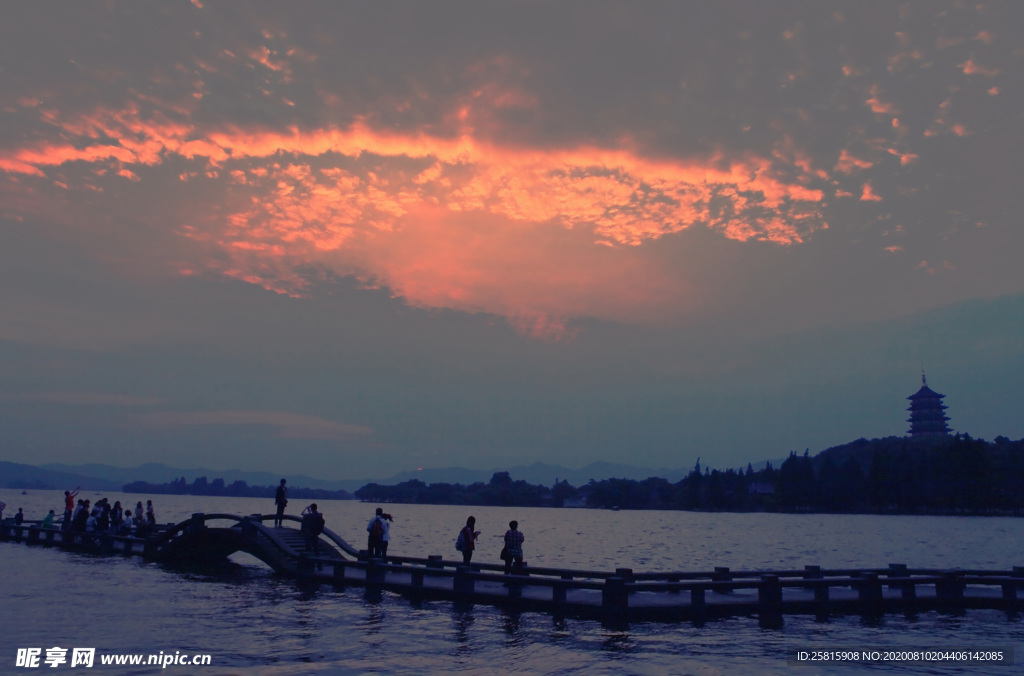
x,y
394,208
905,158
868,194
878,106
847,163
971,68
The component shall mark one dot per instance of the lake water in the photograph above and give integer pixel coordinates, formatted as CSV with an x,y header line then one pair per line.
x,y
251,621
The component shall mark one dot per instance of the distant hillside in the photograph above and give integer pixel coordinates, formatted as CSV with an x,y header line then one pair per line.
x,y
158,473
17,476
537,473
860,451
863,451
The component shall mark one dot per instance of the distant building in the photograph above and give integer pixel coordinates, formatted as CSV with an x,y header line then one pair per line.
x,y
927,413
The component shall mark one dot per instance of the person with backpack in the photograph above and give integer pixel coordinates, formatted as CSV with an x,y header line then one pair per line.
x,y
466,541
312,525
513,550
379,536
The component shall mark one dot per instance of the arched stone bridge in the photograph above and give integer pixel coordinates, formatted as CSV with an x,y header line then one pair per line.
x,y
197,539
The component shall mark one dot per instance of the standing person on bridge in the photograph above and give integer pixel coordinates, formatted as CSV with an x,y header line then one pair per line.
x,y
379,537
69,507
466,541
312,525
281,500
514,548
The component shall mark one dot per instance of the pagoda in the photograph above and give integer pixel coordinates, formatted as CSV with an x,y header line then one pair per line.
x,y
927,413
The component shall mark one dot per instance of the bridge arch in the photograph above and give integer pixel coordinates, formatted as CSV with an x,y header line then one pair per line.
x,y
280,548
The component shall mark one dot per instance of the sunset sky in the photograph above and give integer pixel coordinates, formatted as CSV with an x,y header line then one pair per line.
x,y
353,239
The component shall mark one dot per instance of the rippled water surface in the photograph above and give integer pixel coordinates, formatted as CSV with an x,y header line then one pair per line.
x,y
251,621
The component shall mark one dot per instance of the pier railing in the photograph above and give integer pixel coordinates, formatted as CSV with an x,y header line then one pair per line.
x,y
621,593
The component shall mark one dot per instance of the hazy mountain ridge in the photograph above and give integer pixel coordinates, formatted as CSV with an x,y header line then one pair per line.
x,y
96,476
18,476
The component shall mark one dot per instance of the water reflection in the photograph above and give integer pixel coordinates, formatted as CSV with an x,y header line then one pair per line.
x,y
510,623
464,620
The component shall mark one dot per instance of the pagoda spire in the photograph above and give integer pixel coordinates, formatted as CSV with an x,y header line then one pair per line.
x,y
927,413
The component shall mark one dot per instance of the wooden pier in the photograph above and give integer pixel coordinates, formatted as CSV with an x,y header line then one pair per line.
x,y
618,596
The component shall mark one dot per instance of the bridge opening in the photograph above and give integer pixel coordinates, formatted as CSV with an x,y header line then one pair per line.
x,y
246,559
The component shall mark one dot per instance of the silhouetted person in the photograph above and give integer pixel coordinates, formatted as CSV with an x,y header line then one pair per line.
x,y
281,501
378,539
69,507
467,540
513,548
312,526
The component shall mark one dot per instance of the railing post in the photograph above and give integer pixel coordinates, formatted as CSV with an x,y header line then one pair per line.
x,y
434,561
899,577
897,570
339,572
812,573
697,604
614,594
463,582
950,591
304,567
197,523
1010,595
769,597
375,571
721,574
869,591
248,527
821,600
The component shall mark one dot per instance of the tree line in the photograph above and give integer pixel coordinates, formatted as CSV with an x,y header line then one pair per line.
x,y
236,489
893,475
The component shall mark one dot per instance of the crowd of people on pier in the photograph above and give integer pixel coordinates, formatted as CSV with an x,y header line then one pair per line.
x,y
102,517
84,516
